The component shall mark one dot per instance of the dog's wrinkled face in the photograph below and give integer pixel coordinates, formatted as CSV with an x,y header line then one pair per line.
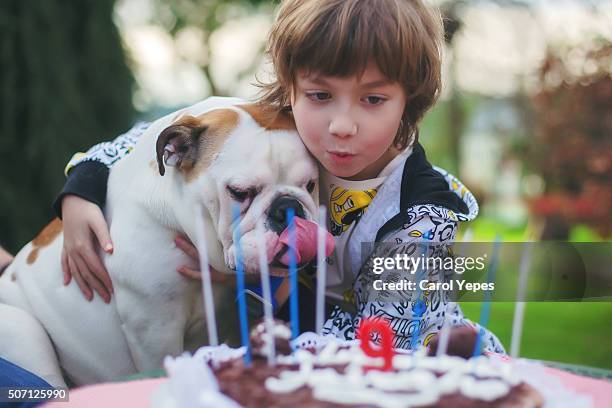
x,y
244,157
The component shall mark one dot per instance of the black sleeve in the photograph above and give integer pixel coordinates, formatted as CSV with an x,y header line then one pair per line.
x,y
87,180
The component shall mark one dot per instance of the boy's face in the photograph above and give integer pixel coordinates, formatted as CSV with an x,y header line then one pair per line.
x,y
349,123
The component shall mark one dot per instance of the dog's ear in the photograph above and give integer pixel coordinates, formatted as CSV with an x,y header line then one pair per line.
x,y
177,146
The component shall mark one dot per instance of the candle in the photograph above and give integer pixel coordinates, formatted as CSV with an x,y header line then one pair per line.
x,y
519,310
267,293
321,270
462,250
242,311
467,236
366,328
444,335
485,311
293,275
207,294
420,306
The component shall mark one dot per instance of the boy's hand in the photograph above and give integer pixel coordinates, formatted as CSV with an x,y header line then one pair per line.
x,y
461,342
84,229
185,245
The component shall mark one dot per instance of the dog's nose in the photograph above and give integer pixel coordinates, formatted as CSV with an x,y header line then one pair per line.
x,y
277,216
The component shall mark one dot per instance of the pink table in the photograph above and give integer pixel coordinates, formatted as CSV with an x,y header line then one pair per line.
x,y
137,393
132,394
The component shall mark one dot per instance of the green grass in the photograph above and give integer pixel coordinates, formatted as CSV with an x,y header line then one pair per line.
x,y
487,229
568,332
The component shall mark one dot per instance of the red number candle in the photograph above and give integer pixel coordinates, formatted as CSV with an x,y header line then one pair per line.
x,y
385,350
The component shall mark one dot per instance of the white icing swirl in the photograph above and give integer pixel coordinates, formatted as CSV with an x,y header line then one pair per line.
x,y
192,384
413,383
487,390
413,380
215,355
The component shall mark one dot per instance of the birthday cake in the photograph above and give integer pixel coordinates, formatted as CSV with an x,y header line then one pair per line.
x,y
324,372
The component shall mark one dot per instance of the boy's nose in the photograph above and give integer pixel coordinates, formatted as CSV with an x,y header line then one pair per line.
x,y
342,127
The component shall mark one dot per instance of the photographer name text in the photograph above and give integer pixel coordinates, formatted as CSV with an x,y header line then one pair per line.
x,y
453,284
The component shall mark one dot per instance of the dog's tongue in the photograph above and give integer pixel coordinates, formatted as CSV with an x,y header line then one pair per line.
x,y
305,241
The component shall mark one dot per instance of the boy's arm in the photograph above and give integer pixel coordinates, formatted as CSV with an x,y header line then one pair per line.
x,y
87,180
108,153
425,229
82,200
432,230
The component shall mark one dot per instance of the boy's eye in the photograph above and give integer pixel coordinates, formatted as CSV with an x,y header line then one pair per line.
x,y
374,100
318,96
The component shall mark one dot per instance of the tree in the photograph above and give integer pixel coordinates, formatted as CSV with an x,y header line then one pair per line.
x,y
207,16
572,149
64,85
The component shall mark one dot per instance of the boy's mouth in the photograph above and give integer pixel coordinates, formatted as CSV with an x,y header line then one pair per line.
x,y
340,157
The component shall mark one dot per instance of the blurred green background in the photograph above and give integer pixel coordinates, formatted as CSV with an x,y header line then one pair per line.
x,y
568,332
525,117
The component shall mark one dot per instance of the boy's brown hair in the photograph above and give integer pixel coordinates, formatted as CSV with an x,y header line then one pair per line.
x,y
339,37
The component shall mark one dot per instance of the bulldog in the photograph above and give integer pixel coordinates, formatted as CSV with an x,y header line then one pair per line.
x,y
208,157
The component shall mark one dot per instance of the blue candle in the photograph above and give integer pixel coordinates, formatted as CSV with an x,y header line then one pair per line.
x,y
293,276
485,311
242,310
420,306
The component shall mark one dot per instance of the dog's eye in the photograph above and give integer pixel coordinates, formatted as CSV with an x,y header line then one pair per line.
x,y
238,195
310,186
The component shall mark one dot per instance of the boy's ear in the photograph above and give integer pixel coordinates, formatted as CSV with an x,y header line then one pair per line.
x,y
177,146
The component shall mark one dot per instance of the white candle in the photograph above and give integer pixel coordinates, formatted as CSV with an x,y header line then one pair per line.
x,y
267,292
321,270
467,237
207,293
444,334
519,309
463,246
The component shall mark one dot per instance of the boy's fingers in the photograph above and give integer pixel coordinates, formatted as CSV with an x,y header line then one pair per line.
x,y
189,273
79,280
187,247
65,268
100,229
91,280
99,271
